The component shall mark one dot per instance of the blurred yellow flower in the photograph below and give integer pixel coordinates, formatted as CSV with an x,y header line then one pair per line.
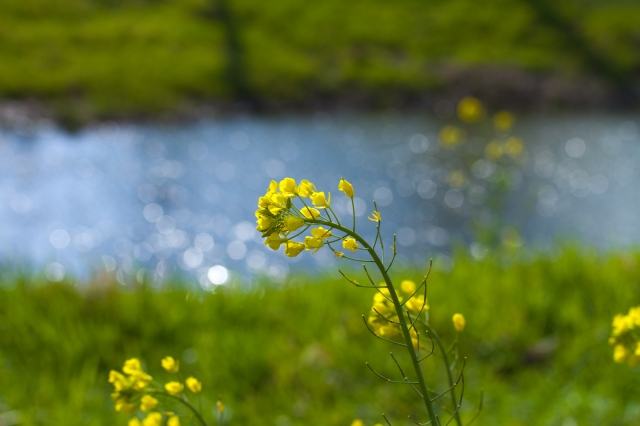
x,y
134,422
264,223
339,254
274,241
408,286
451,136
193,384
375,216
514,146
350,244
170,364
493,150
174,387
306,188
288,187
357,422
292,248
312,243
310,212
173,421
318,199
320,232
459,322
291,223
131,366
503,120
124,406
120,382
346,187
220,407
152,419
148,403
470,109
620,354
415,304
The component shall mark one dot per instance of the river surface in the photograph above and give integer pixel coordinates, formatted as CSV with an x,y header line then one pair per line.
x,y
152,201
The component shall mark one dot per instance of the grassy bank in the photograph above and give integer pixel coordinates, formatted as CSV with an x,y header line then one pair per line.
x,y
536,339
114,58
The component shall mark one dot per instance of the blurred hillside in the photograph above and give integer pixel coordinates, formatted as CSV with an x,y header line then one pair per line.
x,y
116,58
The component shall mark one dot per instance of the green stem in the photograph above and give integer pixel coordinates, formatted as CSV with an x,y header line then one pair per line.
x,y
435,336
184,402
426,396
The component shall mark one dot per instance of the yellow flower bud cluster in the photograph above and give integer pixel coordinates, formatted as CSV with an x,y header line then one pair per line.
x,y
133,390
383,317
625,337
277,216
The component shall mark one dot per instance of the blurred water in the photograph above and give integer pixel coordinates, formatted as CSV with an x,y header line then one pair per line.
x,y
156,200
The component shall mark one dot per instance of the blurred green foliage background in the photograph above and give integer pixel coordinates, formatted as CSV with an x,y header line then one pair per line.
x,y
536,342
138,58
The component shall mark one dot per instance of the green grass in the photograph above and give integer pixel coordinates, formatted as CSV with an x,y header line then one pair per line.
x,y
120,58
536,342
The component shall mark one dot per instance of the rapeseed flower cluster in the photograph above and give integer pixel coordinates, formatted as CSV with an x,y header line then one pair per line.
x,y
134,390
625,337
280,220
383,318
358,422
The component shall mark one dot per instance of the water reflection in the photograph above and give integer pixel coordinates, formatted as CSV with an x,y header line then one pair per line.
x,y
147,202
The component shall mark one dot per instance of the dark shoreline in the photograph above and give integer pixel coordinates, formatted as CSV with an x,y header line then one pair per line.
x,y
510,89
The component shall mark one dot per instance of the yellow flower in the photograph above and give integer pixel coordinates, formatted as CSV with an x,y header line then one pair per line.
x,y
357,422
274,241
318,199
278,202
637,350
503,120
152,419
310,212
292,248
148,403
134,422
194,384
350,244
306,188
120,382
131,366
273,187
459,322
634,317
264,223
320,232
220,407
514,146
375,217
312,243
620,353
288,187
124,406
470,109
174,387
339,254
346,187
140,379
170,364
173,421
493,150
291,223
620,325
415,304
408,286
450,136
